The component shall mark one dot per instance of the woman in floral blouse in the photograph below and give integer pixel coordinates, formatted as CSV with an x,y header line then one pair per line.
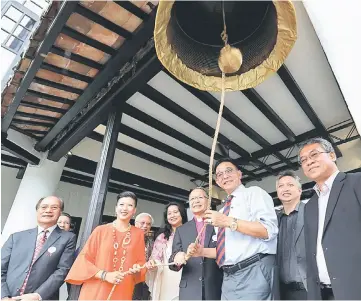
x,y
162,282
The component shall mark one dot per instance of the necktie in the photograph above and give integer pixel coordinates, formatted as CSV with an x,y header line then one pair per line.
x,y
221,235
39,245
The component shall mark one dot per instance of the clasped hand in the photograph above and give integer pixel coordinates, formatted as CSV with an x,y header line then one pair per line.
x,y
195,250
217,219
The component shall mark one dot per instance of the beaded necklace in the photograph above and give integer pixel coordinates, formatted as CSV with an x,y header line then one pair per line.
x,y
125,242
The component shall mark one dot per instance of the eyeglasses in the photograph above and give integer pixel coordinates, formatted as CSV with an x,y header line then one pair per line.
x,y
313,156
227,172
196,198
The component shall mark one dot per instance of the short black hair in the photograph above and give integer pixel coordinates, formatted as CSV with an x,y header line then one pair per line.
x,y
226,159
128,194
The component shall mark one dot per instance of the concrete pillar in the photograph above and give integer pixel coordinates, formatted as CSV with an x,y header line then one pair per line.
x,y
38,181
189,214
337,25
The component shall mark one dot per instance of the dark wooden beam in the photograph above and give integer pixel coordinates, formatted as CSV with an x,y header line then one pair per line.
x,y
135,10
233,119
88,166
76,58
55,85
18,151
301,99
123,55
87,181
66,10
164,128
66,72
177,110
284,144
13,160
76,35
271,115
37,116
136,152
103,22
42,107
128,131
50,97
32,122
90,120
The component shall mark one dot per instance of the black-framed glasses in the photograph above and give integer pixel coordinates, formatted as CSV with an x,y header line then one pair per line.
x,y
313,156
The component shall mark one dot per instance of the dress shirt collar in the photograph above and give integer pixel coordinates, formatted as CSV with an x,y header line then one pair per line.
x,y
51,229
238,189
327,185
296,209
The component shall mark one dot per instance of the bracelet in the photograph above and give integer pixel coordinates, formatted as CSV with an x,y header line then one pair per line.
x,y
102,277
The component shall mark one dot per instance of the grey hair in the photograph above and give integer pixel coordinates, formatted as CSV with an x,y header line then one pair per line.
x,y
140,215
326,145
201,188
289,173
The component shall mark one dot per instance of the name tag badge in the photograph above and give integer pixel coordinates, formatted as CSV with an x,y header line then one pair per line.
x,y
51,250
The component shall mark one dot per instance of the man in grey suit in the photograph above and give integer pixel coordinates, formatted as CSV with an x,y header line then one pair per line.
x,y
332,225
201,276
291,257
35,262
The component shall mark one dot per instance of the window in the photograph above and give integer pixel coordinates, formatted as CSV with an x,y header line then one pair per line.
x,y
15,29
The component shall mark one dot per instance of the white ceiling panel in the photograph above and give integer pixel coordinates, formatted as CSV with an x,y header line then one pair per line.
x,y
280,99
158,153
309,66
248,113
174,91
149,131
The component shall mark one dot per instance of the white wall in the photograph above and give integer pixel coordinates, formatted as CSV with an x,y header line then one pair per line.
x,y
9,187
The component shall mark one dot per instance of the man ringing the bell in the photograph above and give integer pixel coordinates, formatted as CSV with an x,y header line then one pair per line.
x,y
246,237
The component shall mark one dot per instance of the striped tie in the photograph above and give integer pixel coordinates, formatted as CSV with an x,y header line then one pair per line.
x,y
39,245
221,235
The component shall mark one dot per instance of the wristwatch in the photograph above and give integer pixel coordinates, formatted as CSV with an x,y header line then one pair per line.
x,y
234,225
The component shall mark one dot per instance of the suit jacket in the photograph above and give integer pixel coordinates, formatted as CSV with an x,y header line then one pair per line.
x,y
48,271
299,243
198,270
341,240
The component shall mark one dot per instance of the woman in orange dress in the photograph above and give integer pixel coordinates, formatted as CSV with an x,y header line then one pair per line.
x,y
111,250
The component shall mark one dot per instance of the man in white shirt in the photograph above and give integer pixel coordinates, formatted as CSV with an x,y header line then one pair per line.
x,y
35,262
246,237
332,225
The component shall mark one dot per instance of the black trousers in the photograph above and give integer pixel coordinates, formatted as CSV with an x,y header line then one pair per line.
x,y
287,294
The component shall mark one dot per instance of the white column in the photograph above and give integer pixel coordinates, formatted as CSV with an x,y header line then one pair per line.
x,y
189,214
38,181
337,24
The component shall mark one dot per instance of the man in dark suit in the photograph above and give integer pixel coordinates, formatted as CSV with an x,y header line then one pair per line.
x,y
35,262
332,225
201,276
291,256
